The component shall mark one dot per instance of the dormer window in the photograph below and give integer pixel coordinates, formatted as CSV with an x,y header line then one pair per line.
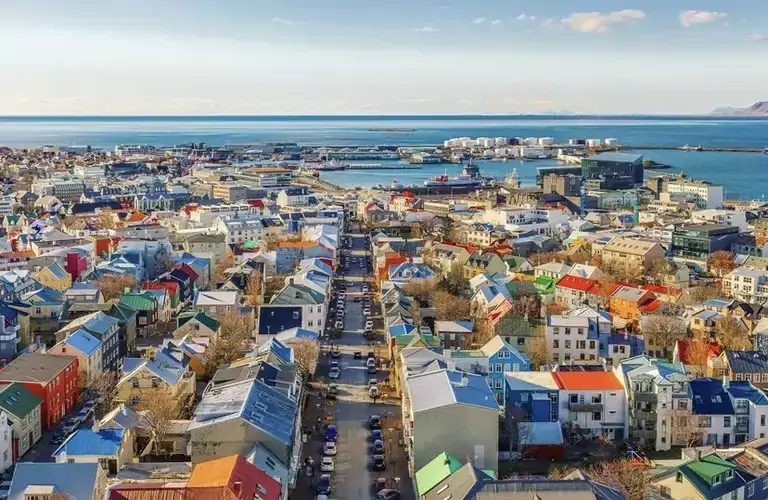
x,y
729,474
716,480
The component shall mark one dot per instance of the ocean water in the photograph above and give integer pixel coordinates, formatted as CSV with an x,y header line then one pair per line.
x,y
745,175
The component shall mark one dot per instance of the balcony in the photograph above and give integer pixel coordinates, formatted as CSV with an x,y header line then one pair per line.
x,y
741,428
643,433
648,397
645,415
585,407
742,410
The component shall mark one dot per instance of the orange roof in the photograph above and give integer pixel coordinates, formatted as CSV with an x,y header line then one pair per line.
x,y
213,472
587,381
136,217
18,255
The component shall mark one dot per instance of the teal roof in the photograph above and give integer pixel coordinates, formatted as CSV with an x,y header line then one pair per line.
x,y
18,400
200,317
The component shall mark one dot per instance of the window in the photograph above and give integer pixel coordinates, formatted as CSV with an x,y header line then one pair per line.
x,y
750,489
581,331
762,420
135,382
597,398
555,344
729,474
520,340
597,416
567,331
498,384
567,344
135,400
765,483
499,369
716,480
682,405
490,368
573,398
726,421
591,344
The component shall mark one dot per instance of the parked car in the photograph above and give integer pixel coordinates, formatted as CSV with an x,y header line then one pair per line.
x,y
367,311
388,494
339,324
369,324
379,463
331,432
357,355
378,447
336,353
377,435
334,373
326,464
57,438
371,355
375,422
373,392
371,369
370,362
329,449
324,484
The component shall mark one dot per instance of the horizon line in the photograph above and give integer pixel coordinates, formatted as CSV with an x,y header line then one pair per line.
x,y
564,114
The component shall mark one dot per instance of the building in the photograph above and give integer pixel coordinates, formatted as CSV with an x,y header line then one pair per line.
x,y
702,193
593,403
618,170
241,230
163,377
576,336
54,276
532,397
108,448
237,475
750,366
23,409
710,477
87,349
631,255
51,377
571,291
231,192
437,403
713,407
563,184
694,244
217,303
746,284
50,481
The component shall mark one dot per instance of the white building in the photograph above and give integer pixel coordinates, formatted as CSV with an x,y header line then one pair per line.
x,y
241,230
546,141
6,206
747,284
6,441
501,141
703,194
575,336
593,143
611,141
205,214
542,221
134,149
592,402
733,218
90,173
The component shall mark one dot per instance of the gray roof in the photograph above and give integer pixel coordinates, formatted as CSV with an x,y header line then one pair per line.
x,y
436,389
35,367
78,480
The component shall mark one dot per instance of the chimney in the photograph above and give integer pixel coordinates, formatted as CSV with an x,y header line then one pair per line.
x,y
698,455
726,382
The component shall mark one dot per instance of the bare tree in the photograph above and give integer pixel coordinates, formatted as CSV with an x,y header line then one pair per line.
x,y
538,352
704,293
306,353
113,285
482,332
628,477
526,305
415,311
421,290
732,334
450,307
271,287
157,418
254,289
104,389
662,331
687,429
234,339
222,265
698,352
540,258
659,271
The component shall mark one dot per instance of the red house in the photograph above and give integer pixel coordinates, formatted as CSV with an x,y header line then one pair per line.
x,y
52,377
76,264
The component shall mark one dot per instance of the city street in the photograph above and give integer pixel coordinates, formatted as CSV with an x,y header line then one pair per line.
x,y
354,477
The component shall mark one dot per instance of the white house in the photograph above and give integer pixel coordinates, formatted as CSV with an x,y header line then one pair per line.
x,y
592,402
575,335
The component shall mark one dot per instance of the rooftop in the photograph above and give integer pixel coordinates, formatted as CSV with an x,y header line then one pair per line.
x,y
587,381
35,367
446,388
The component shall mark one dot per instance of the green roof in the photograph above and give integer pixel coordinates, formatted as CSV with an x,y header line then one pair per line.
x,y
201,318
143,301
435,472
710,466
544,284
18,400
467,354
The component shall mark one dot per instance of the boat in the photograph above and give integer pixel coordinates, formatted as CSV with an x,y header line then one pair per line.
x,y
765,151
691,148
469,177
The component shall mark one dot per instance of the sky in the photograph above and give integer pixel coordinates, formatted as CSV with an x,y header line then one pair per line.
x,y
173,57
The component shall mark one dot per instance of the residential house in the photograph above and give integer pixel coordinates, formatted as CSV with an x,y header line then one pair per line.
x,y
747,284
453,334
171,288
750,411
14,284
214,243
586,271
217,304
531,397
275,319
689,353
751,366
54,276
46,481
491,361
144,379
105,328
145,305
84,292
44,308
231,419
23,409
437,403
312,302
88,350
575,336
571,291
448,257
593,403
631,255
198,324
627,304
656,393
236,475
713,407
107,447
483,263
553,270
51,377
708,477
408,271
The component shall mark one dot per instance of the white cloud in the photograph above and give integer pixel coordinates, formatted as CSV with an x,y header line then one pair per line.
x,y
757,37
426,29
478,20
597,22
496,21
525,17
691,17
284,22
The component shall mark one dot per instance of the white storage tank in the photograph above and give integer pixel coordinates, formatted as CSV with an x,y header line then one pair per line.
x,y
546,141
611,141
593,143
501,141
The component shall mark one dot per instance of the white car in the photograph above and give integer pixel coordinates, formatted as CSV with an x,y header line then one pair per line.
x,y
339,324
369,324
367,312
342,295
334,373
326,464
329,449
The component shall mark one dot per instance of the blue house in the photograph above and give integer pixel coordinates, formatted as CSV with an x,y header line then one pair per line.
x,y
491,361
531,396
102,446
106,329
713,404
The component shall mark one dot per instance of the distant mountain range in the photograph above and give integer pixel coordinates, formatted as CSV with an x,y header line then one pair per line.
x,y
757,109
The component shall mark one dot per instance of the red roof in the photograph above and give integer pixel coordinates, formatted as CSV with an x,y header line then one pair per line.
x,y
650,306
256,203
171,286
587,381
191,272
604,290
468,248
576,283
682,346
663,290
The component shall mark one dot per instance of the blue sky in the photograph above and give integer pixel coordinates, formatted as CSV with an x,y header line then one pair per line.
x,y
364,56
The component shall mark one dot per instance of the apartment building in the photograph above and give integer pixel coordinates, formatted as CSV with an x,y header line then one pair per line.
x,y
631,254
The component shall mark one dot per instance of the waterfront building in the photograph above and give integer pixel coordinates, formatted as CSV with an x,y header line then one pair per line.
x,y
123,150
619,170
702,193
566,184
736,218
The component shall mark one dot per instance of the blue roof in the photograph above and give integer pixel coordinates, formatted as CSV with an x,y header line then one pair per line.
x,y
710,398
298,334
83,342
747,361
78,480
623,157
743,389
717,303
278,348
275,319
100,323
271,411
86,441
403,329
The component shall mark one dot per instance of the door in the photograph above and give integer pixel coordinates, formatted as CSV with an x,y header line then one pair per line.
x,y
726,440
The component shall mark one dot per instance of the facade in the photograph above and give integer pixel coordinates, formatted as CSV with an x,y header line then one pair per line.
x,y
746,284
437,403
576,336
231,192
703,194
144,379
23,409
49,481
53,378
631,254
592,403
107,447
693,244
617,170
88,350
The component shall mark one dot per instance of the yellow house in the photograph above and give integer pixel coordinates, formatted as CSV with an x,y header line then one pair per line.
x,y
144,380
54,276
